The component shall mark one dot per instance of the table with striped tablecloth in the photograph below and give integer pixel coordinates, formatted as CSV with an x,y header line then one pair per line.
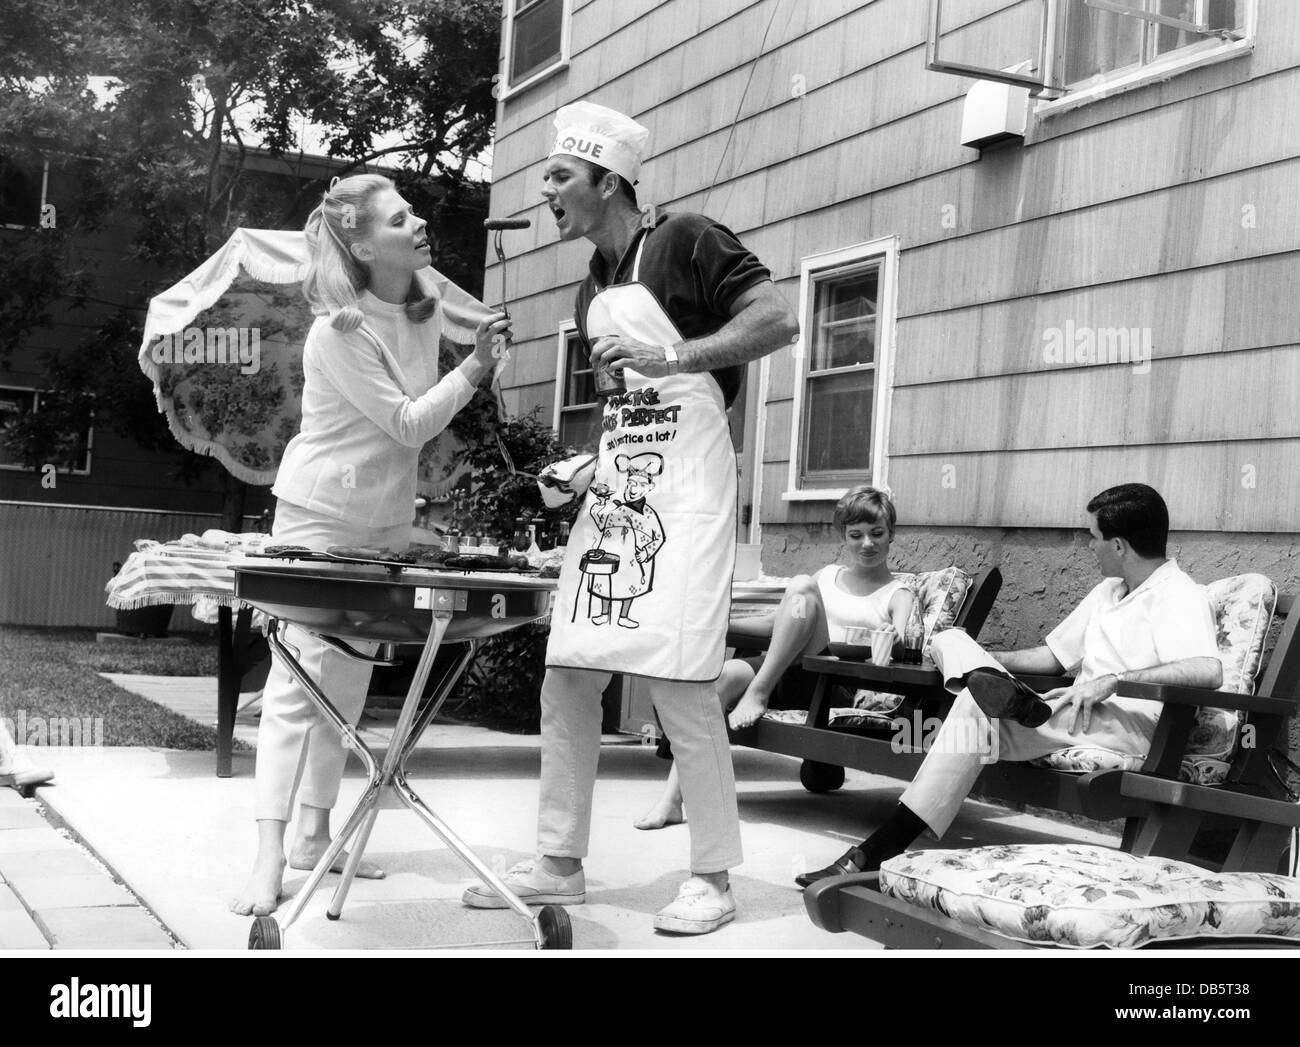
x,y
199,577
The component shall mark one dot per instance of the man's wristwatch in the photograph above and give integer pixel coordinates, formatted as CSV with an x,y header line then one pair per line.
x,y
670,358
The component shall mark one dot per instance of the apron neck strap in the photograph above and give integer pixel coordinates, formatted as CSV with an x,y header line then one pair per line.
x,y
636,262
639,243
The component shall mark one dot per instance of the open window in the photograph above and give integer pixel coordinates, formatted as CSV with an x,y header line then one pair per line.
x,y
1079,49
843,369
536,40
577,408
22,194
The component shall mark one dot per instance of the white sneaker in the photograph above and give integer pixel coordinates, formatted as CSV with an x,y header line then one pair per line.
x,y
698,909
533,885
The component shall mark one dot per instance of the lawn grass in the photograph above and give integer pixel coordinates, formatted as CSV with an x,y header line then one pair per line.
x,y
50,676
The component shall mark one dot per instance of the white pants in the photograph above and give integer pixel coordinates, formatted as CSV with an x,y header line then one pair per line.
x,y
295,744
968,740
691,716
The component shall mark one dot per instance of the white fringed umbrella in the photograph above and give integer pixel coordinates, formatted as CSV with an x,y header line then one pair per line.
x,y
223,348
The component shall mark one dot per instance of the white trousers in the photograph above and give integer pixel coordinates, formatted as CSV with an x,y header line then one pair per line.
x,y
691,716
295,744
968,740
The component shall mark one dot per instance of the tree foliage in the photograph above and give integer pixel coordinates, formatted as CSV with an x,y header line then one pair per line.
x,y
195,90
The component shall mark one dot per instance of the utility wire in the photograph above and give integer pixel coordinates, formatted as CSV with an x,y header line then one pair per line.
x,y
731,132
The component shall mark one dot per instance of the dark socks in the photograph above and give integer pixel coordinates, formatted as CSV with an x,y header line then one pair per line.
x,y
894,837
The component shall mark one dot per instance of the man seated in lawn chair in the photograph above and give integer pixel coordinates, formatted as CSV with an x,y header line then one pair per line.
x,y
1147,621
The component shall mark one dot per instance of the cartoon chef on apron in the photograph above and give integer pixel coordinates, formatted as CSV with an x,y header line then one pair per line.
x,y
631,533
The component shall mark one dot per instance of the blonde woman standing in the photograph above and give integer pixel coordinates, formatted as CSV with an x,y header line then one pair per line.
x,y
371,399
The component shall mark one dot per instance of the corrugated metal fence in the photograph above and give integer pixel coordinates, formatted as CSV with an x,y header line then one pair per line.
x,y
56,559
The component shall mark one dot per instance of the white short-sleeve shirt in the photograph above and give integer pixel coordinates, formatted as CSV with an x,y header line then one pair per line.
x,y
1165,619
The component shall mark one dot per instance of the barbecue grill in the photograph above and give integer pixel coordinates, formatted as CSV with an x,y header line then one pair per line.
x,y
342,602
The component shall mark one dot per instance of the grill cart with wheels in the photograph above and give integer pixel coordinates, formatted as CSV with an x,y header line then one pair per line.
x,y
344,603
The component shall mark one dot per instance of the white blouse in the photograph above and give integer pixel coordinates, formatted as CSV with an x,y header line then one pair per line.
x,y
370,400
846,611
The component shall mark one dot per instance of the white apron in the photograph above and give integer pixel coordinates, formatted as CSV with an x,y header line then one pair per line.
x,y
646,583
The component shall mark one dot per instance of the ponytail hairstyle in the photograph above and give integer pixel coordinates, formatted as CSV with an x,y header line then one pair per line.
x,y
866,504
335,276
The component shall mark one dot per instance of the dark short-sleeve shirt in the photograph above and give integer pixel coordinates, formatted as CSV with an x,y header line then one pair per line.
x,y
696,268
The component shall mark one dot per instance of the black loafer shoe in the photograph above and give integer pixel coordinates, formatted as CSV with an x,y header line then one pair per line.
x,y
1002,697
850,862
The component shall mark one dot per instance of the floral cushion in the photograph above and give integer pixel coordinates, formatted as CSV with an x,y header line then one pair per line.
x,y
860,719
797,716
1082,759
1083,897
940,596
1243,608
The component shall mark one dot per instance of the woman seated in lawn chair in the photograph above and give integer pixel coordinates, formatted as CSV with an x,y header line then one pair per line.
x,y
816,610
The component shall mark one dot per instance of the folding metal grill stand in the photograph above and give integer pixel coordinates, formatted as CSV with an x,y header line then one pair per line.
x,y
387,787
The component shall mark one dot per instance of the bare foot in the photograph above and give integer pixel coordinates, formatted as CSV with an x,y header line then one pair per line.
x,y
661,814
748,709
261,895
306,853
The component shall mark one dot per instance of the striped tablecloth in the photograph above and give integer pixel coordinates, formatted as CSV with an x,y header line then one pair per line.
x,y
175,574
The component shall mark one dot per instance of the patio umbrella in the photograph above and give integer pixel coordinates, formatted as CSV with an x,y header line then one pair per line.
x,y
223,348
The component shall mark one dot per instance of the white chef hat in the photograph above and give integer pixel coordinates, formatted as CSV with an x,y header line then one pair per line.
x,y
603,136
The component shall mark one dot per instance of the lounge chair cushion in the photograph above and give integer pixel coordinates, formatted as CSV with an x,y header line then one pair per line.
x,y
1243,609
1081,759
1084,897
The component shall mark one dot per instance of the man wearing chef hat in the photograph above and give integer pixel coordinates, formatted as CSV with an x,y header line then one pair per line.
x,y
676,306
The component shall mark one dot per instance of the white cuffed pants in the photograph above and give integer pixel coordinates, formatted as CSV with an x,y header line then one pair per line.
x,y
968,740
298,751
691,716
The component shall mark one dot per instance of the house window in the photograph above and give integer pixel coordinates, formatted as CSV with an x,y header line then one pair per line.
x,y
842,384
22,194
577,408
1091,49
537,39
1104,39
70,453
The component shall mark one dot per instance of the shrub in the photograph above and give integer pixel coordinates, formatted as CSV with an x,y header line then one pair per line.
x,y
503,683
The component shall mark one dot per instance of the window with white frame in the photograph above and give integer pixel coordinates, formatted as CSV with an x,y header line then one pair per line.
x,y
577,408
1104,39
842,369
537,39
70,453
1089,49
